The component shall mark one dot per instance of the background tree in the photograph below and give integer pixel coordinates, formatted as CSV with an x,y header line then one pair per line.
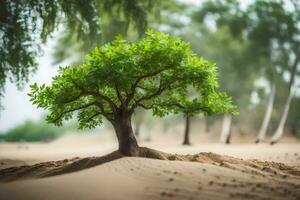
x,y
186,137
115,79
271,30
277,33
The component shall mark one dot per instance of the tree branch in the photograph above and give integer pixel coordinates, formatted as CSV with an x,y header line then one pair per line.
x,y
160,90
144,106
156,93
73,109
97,94
104,113
74,98
173,104
94,115
119,94
134,86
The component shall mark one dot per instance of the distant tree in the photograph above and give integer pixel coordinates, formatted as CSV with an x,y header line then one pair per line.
x,y
115,79
186,137
273,32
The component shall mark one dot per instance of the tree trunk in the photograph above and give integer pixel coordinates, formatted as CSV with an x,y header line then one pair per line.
x,y
128,145
226,128
263,130
186,140
279,131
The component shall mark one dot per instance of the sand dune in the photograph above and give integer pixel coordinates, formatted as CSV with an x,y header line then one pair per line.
x,y
141,178
237,171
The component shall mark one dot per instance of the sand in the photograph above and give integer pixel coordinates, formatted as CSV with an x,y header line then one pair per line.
x,y
140,178
254,172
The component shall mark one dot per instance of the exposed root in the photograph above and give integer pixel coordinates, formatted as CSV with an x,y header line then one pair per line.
x,y
46,169
52,168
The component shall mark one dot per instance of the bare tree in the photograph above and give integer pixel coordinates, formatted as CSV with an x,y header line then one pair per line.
x,y
226,129
263,130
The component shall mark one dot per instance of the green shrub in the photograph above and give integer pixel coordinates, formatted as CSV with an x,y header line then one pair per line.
x,y
2,137
33,131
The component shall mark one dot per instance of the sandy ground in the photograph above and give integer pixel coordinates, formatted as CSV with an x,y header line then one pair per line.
x,y
141,178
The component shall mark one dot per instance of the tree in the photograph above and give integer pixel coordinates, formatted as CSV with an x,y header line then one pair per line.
x,y
279,131
263,129
277,33
115,79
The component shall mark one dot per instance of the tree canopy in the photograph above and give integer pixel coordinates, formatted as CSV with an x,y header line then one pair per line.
x,y
154,73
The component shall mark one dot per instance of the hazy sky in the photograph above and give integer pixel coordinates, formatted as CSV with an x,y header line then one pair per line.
x,y
17,107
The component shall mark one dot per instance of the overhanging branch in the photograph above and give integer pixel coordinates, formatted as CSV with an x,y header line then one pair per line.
x,y
160,90
135,84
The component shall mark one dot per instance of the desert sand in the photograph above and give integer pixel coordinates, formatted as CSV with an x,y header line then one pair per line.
x,y
236,171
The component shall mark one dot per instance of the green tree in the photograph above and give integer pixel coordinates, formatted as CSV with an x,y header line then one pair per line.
x,y
115,79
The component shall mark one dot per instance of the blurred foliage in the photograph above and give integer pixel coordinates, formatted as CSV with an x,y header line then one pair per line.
x,y
23,23
269,28
31,131
271,31
294,117
118,17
